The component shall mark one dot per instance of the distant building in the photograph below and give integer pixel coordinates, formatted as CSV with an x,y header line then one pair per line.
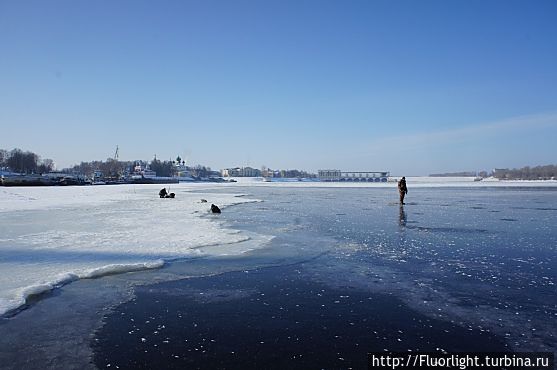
x,y
231,172
353,176
241,172
181,170
141,171
250,172
329,175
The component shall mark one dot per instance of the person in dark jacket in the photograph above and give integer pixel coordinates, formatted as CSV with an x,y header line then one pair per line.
x,y
163,193
402,189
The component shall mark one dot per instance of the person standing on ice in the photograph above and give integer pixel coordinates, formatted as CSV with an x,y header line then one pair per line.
x,y
402,189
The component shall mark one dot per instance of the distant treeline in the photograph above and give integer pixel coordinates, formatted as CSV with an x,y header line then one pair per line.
x,y
114,168
19,161
527,173
453,174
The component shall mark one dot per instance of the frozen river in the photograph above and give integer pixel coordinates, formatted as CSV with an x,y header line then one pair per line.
x,y
479,258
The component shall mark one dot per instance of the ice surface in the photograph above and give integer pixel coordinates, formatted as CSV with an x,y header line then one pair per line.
x,y
483,257
464,252
50,236
53,235
413,181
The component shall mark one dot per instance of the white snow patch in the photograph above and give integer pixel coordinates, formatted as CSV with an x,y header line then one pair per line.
x,y
50,236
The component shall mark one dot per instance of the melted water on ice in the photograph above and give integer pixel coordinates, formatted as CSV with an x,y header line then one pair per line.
x,y
481,257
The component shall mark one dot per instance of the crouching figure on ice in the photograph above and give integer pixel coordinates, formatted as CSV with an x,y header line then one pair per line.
x,y
164,194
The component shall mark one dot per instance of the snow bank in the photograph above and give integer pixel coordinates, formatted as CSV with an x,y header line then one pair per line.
x,y
50,236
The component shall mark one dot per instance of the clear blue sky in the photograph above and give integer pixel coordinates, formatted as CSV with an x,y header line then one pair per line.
x,y
413,87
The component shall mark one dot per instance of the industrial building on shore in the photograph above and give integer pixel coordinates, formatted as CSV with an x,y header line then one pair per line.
x,y
353,176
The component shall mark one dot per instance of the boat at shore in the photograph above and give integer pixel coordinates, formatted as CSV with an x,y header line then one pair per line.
x,y
144,175
48,179
17,179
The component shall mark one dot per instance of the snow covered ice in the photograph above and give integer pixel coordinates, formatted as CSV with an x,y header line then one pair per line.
x,y
53,235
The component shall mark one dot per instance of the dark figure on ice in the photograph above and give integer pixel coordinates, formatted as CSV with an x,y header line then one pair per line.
x,y
402,189
215,209
164,194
